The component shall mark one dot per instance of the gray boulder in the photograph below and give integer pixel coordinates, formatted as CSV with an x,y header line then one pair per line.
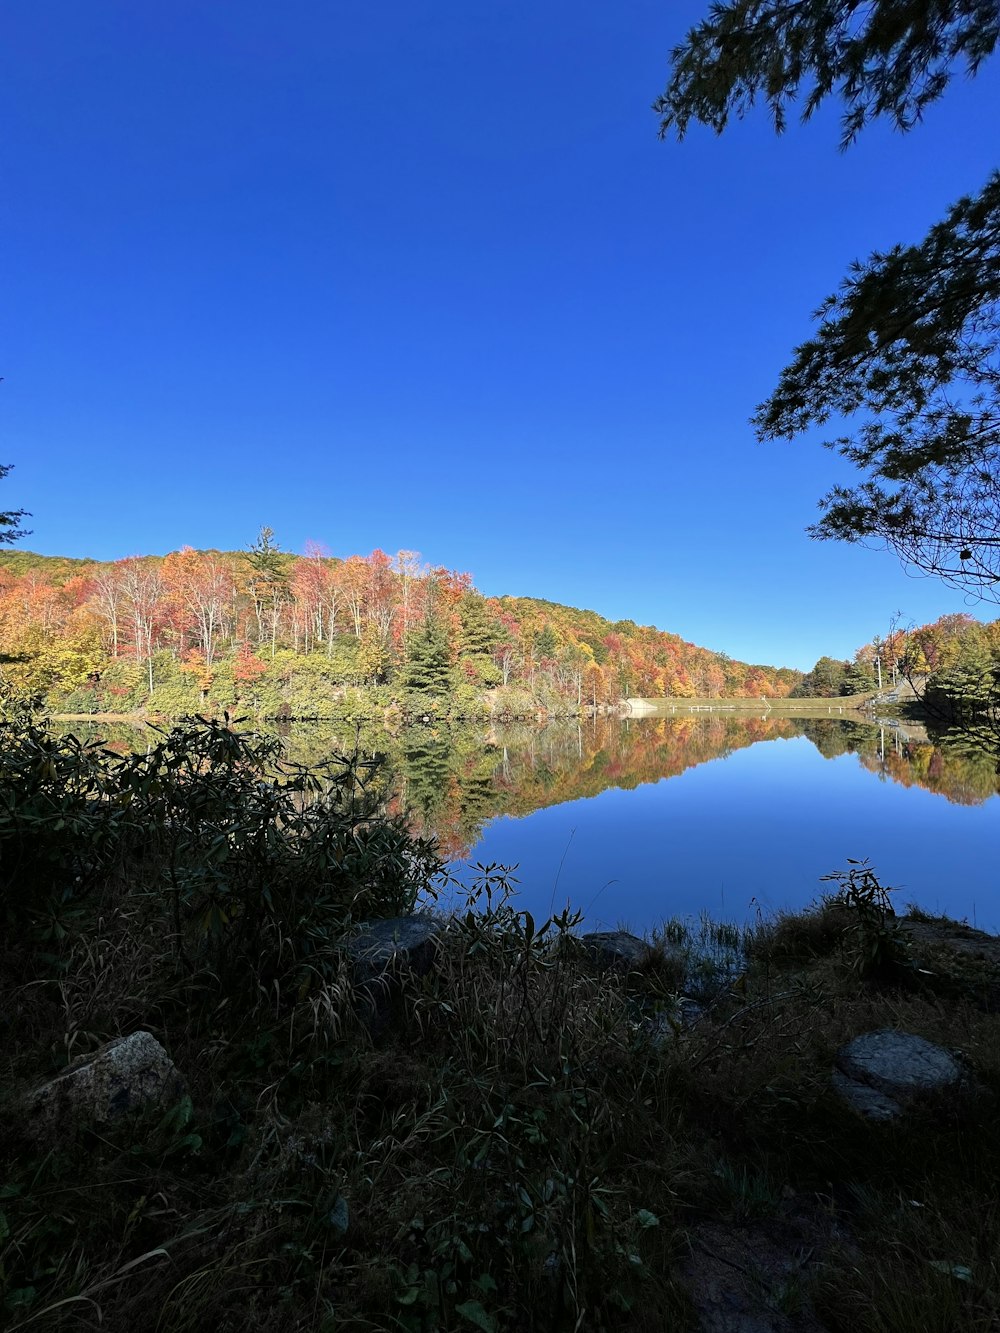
x,y
616,950
381,952
879,1073
121,1077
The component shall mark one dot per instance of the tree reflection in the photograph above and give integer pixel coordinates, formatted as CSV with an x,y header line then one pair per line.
x,y
452,780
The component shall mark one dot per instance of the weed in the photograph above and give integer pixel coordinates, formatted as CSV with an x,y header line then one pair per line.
x,y
747,1192
871,941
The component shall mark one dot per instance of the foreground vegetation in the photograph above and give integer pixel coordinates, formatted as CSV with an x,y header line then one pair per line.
x,y
533,1143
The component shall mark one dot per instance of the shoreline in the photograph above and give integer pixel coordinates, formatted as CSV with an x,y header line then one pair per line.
x,y
850,705
628,708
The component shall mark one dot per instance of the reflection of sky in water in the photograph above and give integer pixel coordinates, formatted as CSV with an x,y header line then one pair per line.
x,y
763,824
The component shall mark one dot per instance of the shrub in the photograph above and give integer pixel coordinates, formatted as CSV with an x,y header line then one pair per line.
x,y
59,822
81,700
256,860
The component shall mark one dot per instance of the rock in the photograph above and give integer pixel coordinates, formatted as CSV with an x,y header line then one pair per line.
x,y
124,1076
880,1073
869,1102
616,950
409,942
755,1277
381,952
954,937
952,953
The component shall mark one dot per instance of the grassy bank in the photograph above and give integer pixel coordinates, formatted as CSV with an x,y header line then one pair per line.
x,y
529,707
530,1143
847,705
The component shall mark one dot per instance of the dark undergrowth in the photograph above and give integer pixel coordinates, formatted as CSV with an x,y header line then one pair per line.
x,y
532,1144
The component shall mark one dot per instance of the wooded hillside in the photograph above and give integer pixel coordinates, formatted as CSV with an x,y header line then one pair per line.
x,y
314,636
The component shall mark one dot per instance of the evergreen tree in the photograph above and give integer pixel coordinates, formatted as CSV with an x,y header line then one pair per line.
x,y
969,686
479,633
858,679
889,58
428,666
479,636
268,584
546,643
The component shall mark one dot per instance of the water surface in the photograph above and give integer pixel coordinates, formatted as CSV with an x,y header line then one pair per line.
x,y
756,828
636,820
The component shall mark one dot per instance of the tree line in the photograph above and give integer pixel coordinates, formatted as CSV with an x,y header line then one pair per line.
x,y
314,635
953,663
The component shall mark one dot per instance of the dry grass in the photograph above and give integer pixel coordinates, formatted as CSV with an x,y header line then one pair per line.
x,y
529,1147
844,704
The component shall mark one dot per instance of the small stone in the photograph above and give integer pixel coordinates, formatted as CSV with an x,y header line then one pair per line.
x,y
124,1076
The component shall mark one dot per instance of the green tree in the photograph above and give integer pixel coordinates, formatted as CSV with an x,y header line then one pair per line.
x,y
546,643
967,683
9,518
479,633
267,583
823,682
909,347
858,679
428,664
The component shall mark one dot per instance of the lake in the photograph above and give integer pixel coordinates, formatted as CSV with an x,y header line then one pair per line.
x,y
636,820
755,825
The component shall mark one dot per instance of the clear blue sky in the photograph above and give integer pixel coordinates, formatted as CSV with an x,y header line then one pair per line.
x,y
421,275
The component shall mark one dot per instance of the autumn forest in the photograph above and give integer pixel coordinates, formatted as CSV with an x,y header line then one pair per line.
x,y
314,636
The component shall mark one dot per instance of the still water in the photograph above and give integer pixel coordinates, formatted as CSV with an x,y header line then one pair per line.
x,y
755,828
633,821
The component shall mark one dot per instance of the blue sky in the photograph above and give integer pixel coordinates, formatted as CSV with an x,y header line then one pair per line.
x,y
422,276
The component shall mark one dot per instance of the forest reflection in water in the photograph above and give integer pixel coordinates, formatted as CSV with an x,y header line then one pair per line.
x,y
452,780
589,810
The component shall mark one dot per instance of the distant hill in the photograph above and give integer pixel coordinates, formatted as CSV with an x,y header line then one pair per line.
x,y
56,568
291,633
